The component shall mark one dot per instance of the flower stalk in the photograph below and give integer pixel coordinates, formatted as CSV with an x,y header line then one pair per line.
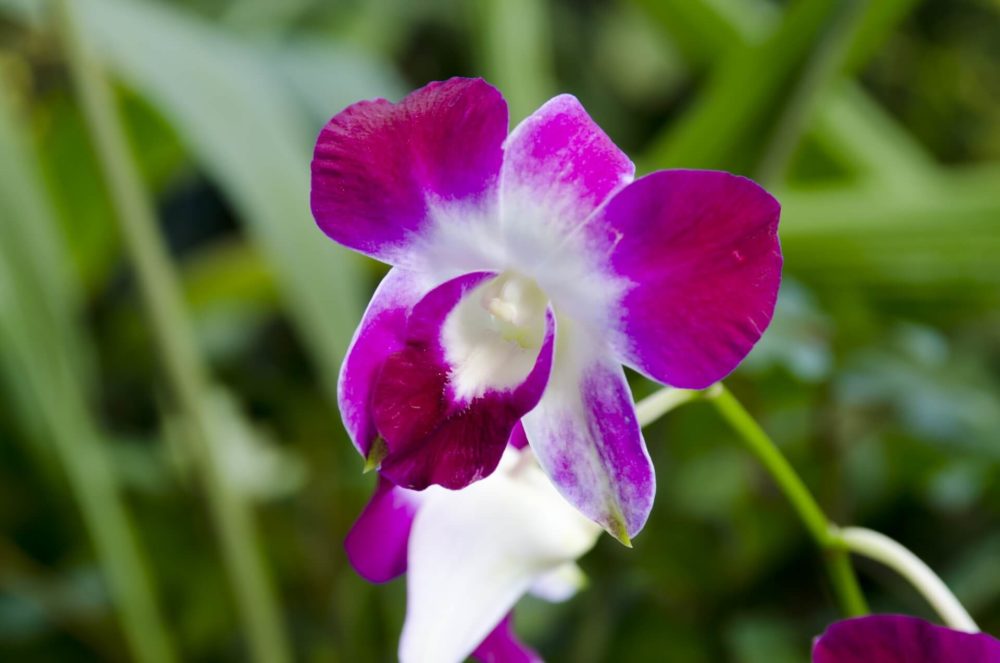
x,y
161,293
842,577
759,443
881,548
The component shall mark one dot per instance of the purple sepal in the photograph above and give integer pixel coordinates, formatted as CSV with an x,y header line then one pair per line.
x,y
701,251
503,646
376,544
586,437
379,168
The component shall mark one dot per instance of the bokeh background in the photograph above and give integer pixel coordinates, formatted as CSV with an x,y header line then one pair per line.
x,y
876,123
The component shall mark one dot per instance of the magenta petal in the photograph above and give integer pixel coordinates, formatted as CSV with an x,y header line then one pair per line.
x,y
502,646
381,333
518,438
379,167
901,639
701,251
559,163
432,436
376,544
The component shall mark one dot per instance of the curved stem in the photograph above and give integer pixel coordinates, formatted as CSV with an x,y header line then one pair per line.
x,y
882,549
761,445
824,533
842,576
656,405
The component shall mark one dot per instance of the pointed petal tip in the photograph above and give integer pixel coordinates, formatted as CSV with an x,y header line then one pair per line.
x,y
379,450
617,528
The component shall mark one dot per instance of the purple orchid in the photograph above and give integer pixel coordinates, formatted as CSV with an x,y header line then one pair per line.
x,y
469,556
526,269
901,639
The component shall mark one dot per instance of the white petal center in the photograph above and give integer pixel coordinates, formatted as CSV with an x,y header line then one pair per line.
x,y
492,338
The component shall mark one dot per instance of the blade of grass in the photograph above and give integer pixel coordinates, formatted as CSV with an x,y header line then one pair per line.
x,y
857,132
159,284
42,352
895,242
744,87
236,111
824,62
849,126
516,52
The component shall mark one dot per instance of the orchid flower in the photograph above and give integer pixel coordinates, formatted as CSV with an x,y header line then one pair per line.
x,y
526,269
901,639
469,555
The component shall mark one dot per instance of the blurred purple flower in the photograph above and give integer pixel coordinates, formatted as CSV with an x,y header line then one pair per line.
x,y
526,269
901,639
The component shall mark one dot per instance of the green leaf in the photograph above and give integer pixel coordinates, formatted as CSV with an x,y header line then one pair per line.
x,y
43,359
742,95
848,125
238,115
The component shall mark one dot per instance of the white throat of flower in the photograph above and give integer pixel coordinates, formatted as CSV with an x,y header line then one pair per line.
x,y
517,305
492,337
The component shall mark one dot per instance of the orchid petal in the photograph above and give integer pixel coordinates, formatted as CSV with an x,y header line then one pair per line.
x,y
376,544
587,439
502,646
559,584
381,171
473,553
901,639
380,334
446,403
559,166
700,249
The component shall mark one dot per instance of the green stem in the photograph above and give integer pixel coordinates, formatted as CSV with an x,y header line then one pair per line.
x,y
845,582
761,445
826,535
189,379
842,577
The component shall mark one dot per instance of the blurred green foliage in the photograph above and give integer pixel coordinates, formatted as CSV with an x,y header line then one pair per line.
x,y
877,124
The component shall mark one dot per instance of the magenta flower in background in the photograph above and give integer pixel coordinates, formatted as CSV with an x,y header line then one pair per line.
x,y
901,639
469,556
526,269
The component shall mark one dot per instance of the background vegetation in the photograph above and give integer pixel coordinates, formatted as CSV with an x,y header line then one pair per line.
x,y
164,496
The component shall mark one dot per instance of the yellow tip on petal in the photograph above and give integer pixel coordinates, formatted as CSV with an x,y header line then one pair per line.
x,y
617,528
379,450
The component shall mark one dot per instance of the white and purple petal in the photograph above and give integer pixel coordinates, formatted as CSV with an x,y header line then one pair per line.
x,y
901,639
558,168
381,171
587,439
700,251
474,552
447,402
376,545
